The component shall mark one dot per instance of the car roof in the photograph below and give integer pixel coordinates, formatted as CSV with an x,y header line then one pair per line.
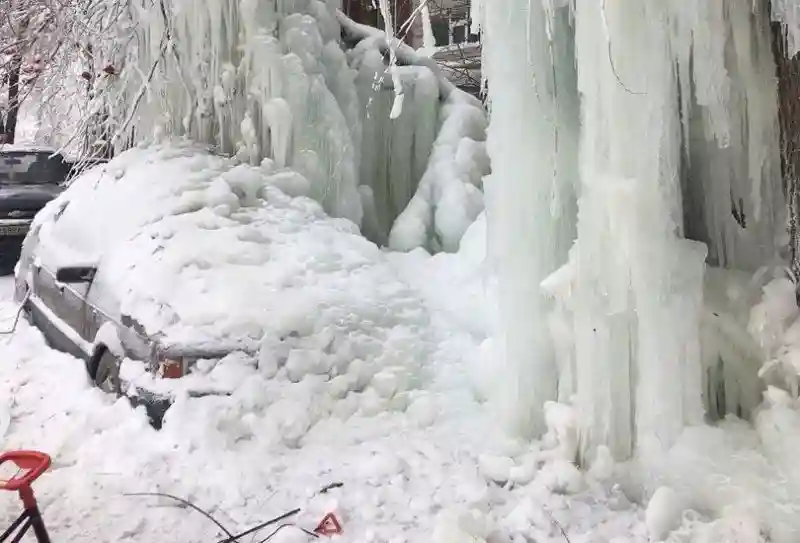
x,y
6,148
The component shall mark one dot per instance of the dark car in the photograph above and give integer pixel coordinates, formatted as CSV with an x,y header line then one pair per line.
x,y
29,178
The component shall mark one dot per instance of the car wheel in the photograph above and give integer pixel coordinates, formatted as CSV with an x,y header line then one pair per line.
x,y
106,378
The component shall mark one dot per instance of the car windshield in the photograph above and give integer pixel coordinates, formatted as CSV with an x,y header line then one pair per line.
x,y
31,168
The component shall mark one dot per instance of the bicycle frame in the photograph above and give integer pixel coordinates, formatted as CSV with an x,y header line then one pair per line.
x,y
30,518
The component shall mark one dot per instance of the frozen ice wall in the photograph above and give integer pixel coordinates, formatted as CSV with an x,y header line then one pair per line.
x,y
731,183
264,80
395,151
423,156
276,84
677,139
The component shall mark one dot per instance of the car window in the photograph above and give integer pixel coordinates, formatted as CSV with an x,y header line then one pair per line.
x,y
31,168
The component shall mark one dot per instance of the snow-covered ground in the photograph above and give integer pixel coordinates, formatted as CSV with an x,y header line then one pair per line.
x,y
409,474
432,468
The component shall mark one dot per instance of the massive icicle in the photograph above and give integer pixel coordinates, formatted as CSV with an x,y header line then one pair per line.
x,y
530,201
678,138
638,287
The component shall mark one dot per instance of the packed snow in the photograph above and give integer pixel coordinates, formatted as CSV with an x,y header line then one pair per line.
x,y
616,299
434,470
434,467
213,253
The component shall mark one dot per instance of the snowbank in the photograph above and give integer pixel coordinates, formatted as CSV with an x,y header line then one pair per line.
x,y
438,470
208,253
408,476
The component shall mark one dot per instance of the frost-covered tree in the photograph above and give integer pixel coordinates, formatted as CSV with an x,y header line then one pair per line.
x,y
52,56
27,45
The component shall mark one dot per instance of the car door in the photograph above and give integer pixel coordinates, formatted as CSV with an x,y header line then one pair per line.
x,y
58,307
59,310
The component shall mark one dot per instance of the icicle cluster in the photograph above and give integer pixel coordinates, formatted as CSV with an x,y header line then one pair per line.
x,y
669,110
264,80
274,83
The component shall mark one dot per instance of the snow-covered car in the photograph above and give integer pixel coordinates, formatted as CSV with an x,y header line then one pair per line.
x,y
170,258
29,178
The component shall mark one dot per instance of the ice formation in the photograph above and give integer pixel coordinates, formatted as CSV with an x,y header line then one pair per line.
x,y
431,157
530,196
281,81
668,108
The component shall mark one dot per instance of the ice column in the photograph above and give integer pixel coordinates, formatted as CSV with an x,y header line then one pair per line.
x,y
638,292
530,196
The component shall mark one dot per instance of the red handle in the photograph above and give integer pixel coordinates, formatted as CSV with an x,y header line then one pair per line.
x,y
31,464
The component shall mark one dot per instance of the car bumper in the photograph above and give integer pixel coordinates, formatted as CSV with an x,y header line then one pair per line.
x,y
12,234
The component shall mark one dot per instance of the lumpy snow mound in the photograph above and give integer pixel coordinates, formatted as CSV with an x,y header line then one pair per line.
x,y
435,472
209,253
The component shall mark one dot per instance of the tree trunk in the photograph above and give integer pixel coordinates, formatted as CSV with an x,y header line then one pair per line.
x,y
14,74
788,71
14,98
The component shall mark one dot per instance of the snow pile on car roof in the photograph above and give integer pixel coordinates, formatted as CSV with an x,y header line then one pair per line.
x,y
213,254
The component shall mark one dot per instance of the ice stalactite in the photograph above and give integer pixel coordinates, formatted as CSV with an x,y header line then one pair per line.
x,y
678,139
428,39
731,187
787,12
421,172
529,195
397,81
638,292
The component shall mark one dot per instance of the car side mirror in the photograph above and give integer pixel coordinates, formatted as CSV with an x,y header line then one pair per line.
x,y
75,274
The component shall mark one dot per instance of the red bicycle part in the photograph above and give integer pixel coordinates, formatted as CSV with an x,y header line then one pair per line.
x,y
31,463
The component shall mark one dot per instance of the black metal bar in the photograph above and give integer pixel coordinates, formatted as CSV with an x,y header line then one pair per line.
x,y
260,526
39,528
22,531
14,525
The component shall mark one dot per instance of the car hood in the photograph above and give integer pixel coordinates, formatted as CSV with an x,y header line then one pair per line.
x,y
28,198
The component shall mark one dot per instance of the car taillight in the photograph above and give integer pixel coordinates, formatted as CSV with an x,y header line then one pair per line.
x,y
170,368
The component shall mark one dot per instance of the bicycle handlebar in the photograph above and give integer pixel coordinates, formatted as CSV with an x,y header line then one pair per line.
x,y
32,463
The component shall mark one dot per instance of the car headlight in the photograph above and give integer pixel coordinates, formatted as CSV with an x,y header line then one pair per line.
x,y
171,368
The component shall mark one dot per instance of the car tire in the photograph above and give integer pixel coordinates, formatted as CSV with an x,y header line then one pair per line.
x,y
106,376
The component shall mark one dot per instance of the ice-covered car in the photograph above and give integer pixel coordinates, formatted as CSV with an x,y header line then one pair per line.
x,y
29,178
170,259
